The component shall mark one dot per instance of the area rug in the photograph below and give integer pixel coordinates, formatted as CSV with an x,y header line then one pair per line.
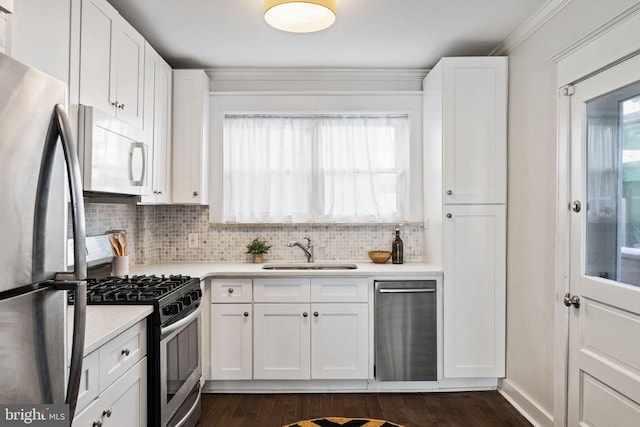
x,y
343,422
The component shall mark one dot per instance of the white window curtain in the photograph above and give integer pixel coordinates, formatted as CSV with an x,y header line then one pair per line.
x,y
315,169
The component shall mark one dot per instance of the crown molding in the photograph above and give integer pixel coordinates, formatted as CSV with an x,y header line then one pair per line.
x,y
530,26
597,33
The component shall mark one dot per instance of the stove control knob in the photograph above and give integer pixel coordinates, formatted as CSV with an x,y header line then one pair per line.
x,y
195,295
186,300
173,308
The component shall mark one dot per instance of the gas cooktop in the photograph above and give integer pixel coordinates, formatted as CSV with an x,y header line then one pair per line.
x,y
172,296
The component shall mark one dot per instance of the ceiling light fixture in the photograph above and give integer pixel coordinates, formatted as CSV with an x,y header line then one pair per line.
x,y
304,16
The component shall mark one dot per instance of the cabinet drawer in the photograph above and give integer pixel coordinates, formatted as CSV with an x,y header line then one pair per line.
x,y
121,353
122,404
290,289
339,289
89,380
231,290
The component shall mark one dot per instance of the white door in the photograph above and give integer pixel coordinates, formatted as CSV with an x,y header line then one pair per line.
x,y
604,328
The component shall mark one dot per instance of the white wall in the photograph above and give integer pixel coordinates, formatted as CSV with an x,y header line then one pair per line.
x,y
532,182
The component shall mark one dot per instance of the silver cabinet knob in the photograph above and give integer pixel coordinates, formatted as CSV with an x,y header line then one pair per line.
x,y
449,192
97,423
230,290
305,314
246,314
125,351
449,216
122,106
316,314
106,412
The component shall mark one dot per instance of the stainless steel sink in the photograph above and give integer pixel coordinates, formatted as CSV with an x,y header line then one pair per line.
x,y
309,266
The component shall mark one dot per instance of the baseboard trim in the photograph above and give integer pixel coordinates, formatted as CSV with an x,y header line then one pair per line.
x,y
525,405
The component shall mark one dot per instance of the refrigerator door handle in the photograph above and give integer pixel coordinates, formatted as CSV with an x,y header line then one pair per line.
x,y
59,128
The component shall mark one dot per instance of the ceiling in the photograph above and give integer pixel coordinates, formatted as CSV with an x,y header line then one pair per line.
x,y
397,34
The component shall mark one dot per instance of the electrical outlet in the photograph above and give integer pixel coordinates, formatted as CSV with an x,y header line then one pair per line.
x,y
193,240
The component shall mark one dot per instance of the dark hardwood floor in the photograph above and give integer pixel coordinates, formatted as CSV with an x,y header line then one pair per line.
x,y
473,409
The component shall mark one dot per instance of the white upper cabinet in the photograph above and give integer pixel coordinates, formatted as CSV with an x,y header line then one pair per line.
x,y
468,107
190,137
111,63
157,123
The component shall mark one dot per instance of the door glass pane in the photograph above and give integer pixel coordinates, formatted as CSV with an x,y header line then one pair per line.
x,y
613,186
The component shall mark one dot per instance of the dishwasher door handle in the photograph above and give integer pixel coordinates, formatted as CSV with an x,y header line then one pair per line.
x,y
404,291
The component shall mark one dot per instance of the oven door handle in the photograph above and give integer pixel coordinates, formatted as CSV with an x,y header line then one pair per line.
x,y
165,332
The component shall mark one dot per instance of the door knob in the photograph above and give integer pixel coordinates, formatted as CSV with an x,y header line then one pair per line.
x,y
576,206
572,300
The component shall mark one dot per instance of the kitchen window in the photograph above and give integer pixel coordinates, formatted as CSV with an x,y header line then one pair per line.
x,y
343,168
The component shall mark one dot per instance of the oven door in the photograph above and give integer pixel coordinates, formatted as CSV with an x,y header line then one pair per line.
x,y
180,370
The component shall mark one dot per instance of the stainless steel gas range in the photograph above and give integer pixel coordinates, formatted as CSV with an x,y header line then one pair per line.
x,y
174,365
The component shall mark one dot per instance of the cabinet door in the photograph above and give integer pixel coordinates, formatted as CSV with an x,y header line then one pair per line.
x,y
162,133
124,403
474,291
339,341
190,137
282,342
474,129
231,338
97,53
129,73
157,124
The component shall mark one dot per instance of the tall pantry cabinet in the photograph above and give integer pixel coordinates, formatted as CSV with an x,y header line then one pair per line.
x,y
465,135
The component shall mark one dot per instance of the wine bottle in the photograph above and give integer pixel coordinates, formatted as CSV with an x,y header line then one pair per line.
x,y
397,255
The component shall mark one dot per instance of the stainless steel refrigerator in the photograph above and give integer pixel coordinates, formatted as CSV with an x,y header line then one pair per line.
x,y
37,159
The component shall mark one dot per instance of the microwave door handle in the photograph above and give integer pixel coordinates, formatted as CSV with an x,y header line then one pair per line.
x,y
143,149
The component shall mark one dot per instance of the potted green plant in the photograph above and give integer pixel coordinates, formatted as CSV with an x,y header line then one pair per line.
x,y
257,248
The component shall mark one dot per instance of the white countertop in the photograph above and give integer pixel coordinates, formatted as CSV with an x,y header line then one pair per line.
x,y
105,322
213,269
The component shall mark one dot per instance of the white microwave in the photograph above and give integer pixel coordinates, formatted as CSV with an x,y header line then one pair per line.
x,y
113,155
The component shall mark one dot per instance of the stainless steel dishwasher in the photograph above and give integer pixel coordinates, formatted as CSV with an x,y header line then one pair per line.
x,y
405,330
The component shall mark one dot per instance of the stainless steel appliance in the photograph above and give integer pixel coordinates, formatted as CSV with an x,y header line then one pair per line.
x,y
174,342
113,154
33,310
405,331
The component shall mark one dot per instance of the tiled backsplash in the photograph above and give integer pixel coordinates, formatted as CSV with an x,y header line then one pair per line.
x,y
160,234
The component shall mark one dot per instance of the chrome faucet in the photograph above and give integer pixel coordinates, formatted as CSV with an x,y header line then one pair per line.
x,y
308,251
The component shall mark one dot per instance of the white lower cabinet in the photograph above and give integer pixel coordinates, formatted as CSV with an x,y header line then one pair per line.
x,y
113,386
298,328
474,291
231,339
282,342
339,341
124,403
